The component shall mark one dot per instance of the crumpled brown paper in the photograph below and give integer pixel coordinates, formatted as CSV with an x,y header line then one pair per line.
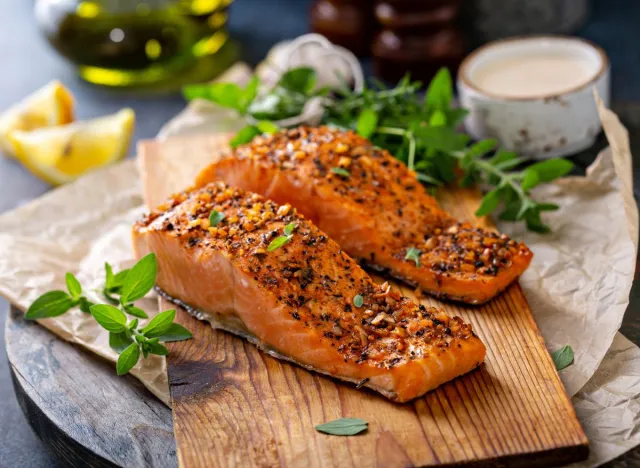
x,y
578,285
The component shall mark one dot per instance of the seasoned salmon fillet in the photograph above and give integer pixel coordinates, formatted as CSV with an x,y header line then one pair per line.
x,y
305,301
374,207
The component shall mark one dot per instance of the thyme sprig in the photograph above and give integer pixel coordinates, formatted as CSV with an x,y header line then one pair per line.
x,y
422,131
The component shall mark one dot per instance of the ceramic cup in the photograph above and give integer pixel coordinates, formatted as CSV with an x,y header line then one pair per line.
x,y
519,115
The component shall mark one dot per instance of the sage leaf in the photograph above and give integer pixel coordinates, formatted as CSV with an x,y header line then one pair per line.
x,y
413,254
563,357
215,217
119,341
109,317
128,358
139,280
175,332
343,427
160,323
73,286
50,304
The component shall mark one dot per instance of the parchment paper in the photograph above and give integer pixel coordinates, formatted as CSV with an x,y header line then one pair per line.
x,y
578,285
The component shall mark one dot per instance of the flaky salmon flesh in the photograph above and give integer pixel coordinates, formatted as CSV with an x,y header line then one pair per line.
x,y
374,207
305,301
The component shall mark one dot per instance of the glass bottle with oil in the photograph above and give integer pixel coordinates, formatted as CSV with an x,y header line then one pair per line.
x,y
129,43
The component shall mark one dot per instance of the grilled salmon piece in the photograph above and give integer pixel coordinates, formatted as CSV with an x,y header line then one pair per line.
x,y
374,207
298,301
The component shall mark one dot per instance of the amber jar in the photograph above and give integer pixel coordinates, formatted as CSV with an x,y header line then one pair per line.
x,y
348,23
417,36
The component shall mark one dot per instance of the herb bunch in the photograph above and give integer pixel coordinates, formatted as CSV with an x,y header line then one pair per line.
x,y
422,131
127,337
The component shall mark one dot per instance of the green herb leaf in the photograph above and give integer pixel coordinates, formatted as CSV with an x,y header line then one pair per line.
x,y
266,126
159,324
133,324
119,341
156,348
358,300
489,203
109,317
73,286
530,180
85,305
175,332
277,243
563,357
342,172
245,135
248,94
413,254
344,427
440,91
226,95
215,217
301,79
551,169
289,228
367,122
50,304
128,359
140,279
135,311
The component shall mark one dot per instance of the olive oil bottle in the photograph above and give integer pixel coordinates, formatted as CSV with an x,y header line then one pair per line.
x,y
126,43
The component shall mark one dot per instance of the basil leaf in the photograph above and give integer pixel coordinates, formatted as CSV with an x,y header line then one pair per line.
x,y
109,317
344,427
563,357
50,304
128,358
277,243
489,203
341,172
530,180
551,169
266,126
135,311
73,286
358,300
159,324
367,123
119,341
215,217
440,92
413,254
139,280
175,332
245,135
156,348
301,79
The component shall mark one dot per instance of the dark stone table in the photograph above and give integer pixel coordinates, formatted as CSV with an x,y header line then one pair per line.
x,y
28,63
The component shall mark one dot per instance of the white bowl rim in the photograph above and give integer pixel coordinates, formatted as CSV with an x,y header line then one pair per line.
x,y
466,63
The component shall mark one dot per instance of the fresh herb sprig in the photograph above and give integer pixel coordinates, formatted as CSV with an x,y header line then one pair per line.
x,y
420,131
563,357
127,338
284,239
343,427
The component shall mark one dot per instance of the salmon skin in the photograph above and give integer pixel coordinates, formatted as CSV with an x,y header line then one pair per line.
x,y
300,301
374,207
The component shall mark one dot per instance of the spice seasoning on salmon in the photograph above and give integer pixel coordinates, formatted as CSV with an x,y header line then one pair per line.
x,y
297,302
380,214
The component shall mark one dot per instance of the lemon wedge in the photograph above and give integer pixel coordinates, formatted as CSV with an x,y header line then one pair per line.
x,y
61,154
49,106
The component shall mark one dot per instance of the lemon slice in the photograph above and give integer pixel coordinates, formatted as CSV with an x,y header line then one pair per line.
x,y
61,154
49,106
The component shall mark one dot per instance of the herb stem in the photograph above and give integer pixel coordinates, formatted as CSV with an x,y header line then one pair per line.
x,y
412,150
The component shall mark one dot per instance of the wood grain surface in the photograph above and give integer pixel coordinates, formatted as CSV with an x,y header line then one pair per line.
x,y
235,406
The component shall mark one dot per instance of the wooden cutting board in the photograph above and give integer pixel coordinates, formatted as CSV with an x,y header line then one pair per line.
x,y
235,406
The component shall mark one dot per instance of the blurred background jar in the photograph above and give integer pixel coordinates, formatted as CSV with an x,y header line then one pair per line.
x,y
129,43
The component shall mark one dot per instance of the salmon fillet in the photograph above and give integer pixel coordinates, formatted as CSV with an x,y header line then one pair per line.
x,y
298,302
377,211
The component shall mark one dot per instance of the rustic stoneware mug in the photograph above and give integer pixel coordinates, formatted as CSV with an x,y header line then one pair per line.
x,y
535,94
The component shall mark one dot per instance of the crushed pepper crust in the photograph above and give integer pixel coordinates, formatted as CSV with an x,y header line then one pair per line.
x,y
309,275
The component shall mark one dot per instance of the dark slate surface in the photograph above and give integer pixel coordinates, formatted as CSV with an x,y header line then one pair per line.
x,y
28,63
